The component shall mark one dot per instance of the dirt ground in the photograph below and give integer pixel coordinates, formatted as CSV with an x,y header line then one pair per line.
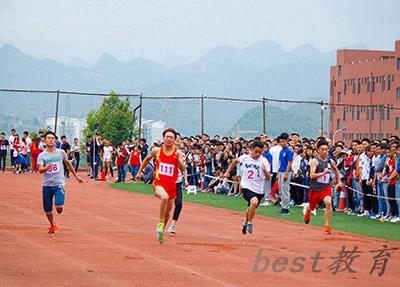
x,y
107,237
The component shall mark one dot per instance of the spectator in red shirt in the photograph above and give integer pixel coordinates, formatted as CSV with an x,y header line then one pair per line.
x,y
135,161
122,156
35,151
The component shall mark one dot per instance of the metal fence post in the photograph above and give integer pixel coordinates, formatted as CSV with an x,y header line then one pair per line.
x,y
202,114
56,116
140,114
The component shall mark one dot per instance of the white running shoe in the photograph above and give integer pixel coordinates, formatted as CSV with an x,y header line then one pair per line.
x,y
266,203
172,229
395,220
365,214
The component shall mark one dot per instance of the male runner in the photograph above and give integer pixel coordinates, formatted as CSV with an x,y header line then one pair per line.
x,y
255,170
50,163
168,160
320,184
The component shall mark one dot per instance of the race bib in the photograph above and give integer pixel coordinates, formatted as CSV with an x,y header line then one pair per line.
x,y
3,147
324,179
53,167
250,174
166,169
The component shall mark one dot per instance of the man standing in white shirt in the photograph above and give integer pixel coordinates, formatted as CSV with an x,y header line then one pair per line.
x,y
275,151
11,142
255,169
28,141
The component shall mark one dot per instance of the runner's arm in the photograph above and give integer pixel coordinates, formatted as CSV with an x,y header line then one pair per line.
x,y
42,168
72,169
266,172
182,166
148,158
313,168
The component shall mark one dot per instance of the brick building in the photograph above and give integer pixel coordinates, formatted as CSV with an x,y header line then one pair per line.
x,y
367,84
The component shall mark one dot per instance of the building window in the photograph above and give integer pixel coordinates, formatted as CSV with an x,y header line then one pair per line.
x,y
359,86
340,70
345,87
367,114
353,86
358,114
398,93
388,114
383,84
344,114
339,97
373,84
338,126
368,85
372,113
398,64
352,113
397,123
382,113
389,82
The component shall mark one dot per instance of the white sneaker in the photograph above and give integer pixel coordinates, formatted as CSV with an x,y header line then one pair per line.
x,y
314,212
365,214
266,203
395,220
172,229
389,218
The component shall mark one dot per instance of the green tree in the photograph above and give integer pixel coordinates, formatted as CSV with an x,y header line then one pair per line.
x,y
114,117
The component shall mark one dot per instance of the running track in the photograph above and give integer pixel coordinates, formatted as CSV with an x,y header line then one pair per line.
x,y
107,238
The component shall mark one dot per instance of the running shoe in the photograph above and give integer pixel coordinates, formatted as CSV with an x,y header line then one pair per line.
x,y
266,203
52,229
172,229
249,227
395,220
307,216
160,232
283,211
244,227
327,229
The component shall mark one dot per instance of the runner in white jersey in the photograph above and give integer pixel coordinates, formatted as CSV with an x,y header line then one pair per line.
x,y
255,170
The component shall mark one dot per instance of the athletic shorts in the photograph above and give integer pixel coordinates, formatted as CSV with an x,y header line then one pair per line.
x,y
248,195
50,192
169,187
314,197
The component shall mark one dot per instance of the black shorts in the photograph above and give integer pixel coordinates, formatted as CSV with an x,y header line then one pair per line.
x,y
248,195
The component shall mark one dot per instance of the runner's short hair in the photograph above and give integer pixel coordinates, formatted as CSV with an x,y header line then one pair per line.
x,y
169,130
50,133
257,143
322,142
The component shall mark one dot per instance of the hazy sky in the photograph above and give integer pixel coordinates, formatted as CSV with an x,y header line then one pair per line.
x,y
174,31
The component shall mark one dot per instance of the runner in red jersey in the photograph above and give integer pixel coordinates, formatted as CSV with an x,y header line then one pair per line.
x,y
168,160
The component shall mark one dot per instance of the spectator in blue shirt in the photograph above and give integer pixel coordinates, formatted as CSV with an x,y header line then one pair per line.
x,y
284,173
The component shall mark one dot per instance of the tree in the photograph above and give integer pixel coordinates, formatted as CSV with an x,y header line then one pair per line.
x,y
115,118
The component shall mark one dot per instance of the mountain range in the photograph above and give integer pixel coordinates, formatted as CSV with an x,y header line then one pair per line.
x,y
263,69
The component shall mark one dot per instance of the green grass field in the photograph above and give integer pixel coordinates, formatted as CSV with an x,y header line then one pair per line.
x,y
343,222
